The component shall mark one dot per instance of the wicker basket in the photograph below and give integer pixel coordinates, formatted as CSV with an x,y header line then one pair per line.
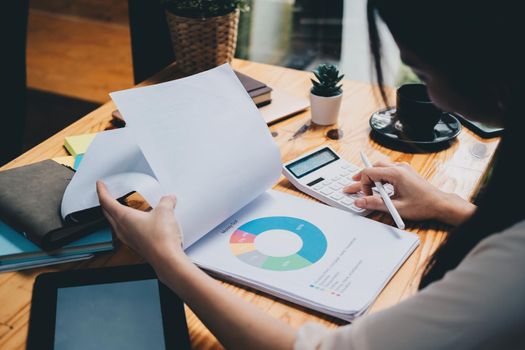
x,y
201,44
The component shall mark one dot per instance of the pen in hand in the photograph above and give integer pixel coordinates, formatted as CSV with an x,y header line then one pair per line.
x,y
388,202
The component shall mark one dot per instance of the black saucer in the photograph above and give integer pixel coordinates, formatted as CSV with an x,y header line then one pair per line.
x,y
387,130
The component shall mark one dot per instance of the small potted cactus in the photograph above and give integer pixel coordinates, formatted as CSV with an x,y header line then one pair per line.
x,y
326,94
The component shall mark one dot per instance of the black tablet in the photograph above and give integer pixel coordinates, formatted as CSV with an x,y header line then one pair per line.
x,y
123,307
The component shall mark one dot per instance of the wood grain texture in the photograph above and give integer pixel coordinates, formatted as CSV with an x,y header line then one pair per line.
x,y
77,57
457,169
114,11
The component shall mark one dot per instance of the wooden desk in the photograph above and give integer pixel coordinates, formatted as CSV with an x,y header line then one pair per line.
x,y
458,169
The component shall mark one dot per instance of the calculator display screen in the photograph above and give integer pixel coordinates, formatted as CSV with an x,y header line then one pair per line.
x,y
314,161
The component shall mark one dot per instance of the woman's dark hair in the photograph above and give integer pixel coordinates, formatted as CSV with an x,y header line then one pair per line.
x,y
476,45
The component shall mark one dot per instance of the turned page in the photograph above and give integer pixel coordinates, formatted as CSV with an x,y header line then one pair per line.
x,y
115,158
205,142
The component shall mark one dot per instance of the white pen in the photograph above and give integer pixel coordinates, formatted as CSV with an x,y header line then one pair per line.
x,y
388,202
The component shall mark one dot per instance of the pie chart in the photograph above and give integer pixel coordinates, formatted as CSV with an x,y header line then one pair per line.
x,y
305,239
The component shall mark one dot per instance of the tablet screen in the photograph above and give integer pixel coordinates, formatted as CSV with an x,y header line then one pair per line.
x,y
119,315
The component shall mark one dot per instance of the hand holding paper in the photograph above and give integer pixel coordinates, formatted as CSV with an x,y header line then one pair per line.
x,y
196,136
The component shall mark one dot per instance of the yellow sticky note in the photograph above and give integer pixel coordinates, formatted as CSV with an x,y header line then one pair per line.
x,y
66,160
79,144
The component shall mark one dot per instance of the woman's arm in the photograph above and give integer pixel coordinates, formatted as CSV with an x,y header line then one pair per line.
x,y
156,236
232,320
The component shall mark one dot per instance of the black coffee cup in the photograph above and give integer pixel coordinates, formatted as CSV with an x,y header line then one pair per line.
x,y
416,112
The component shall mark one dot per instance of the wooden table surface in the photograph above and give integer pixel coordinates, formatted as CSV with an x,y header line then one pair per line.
x,y
458,169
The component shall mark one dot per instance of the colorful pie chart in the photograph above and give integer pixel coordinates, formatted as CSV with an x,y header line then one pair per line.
x,y
242,243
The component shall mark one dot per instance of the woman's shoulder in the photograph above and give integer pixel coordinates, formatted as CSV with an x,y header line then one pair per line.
x,y
509,243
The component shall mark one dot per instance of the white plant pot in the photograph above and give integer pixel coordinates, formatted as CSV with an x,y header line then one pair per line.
x,y
325,110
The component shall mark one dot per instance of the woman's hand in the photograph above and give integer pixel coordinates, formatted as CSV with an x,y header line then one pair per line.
x,y
156,236
414,198
153,235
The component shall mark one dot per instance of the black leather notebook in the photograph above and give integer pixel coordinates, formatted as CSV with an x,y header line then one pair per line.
x,y
30,199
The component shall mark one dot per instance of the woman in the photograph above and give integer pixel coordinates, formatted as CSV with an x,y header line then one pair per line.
x,y
472,294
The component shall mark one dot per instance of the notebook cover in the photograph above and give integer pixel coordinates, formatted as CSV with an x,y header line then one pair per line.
x,y
17,266
15,248
253,87
30,198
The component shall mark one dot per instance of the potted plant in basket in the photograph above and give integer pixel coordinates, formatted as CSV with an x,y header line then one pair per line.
x,y
203,32
326,94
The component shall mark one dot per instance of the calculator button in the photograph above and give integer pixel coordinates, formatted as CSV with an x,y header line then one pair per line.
x,y
336,186
318,187
337,196
344,182
353,168
357,195
345,173
335,178
359,210
326,182
327,191
347,201
345,166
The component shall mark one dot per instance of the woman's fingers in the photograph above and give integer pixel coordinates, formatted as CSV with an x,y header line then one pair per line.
x,y
109,204
367,177
167,202
386,174
359,186
353,188
112,221
371,203
383,164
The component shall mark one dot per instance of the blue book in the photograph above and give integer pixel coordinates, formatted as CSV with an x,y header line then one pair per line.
x,y
15,250
45,261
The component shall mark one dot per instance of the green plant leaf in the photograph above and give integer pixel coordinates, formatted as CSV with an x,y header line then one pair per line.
x,y
328,77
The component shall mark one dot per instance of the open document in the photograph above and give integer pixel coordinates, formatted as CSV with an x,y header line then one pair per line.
x,y
305,252
202,139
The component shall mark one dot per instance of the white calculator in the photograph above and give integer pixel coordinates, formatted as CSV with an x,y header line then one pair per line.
x,y
323,175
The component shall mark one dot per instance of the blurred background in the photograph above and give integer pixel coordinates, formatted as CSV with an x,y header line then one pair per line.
x,y
79,50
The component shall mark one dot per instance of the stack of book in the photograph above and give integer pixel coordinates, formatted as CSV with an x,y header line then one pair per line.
x,y
260,93
32,231
17,252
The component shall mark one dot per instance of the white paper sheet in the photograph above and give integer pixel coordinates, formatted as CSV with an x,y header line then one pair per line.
x,y
341,277
206,143
115,158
